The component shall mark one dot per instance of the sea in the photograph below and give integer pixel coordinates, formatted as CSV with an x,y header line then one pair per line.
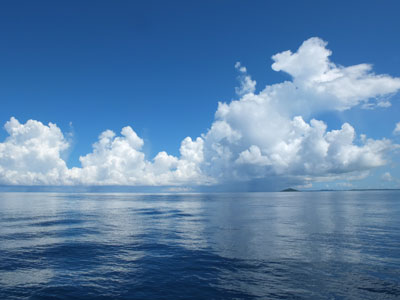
x,y
299,245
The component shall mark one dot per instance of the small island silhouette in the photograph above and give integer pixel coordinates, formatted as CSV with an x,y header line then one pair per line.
x,y
290,190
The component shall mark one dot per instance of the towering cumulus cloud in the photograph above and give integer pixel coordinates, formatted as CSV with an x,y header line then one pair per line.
x,y
257,137
31,154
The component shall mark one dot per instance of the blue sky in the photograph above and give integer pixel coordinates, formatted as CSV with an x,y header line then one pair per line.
x,y
161,67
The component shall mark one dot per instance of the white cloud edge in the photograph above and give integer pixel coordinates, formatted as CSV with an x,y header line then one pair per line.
x,y
396,129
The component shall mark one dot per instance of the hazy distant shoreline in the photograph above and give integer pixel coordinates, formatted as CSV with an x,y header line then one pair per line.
x,y
150,190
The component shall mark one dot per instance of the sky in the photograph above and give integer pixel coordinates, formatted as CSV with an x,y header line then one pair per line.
x,y
200,95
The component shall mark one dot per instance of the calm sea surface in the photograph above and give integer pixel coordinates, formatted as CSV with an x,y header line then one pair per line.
x,y
316,245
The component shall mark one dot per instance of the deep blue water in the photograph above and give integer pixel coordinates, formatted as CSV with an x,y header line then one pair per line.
x,y
315,245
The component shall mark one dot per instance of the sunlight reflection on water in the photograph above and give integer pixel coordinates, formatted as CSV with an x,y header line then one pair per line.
x,y
319,245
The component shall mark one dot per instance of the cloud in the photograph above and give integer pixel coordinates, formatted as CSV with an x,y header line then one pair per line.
x,y
319,84
387,177
118,160
260,138
31,154
397,129
247,85
294,147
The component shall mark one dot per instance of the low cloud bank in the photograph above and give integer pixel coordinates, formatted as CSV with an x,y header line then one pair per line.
x,y
260,137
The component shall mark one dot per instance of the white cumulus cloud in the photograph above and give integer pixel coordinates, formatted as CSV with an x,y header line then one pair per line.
x,y
319,84
118,160
31,154
269,135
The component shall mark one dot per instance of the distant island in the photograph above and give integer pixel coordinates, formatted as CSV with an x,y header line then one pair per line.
x,y
290,190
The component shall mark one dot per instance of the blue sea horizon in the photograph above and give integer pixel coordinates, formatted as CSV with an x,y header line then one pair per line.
x,y
308,245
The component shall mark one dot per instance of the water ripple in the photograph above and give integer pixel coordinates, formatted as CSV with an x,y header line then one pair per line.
x,y
228,246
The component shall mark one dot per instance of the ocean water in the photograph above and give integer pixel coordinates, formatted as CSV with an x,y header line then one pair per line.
x,y
309,245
